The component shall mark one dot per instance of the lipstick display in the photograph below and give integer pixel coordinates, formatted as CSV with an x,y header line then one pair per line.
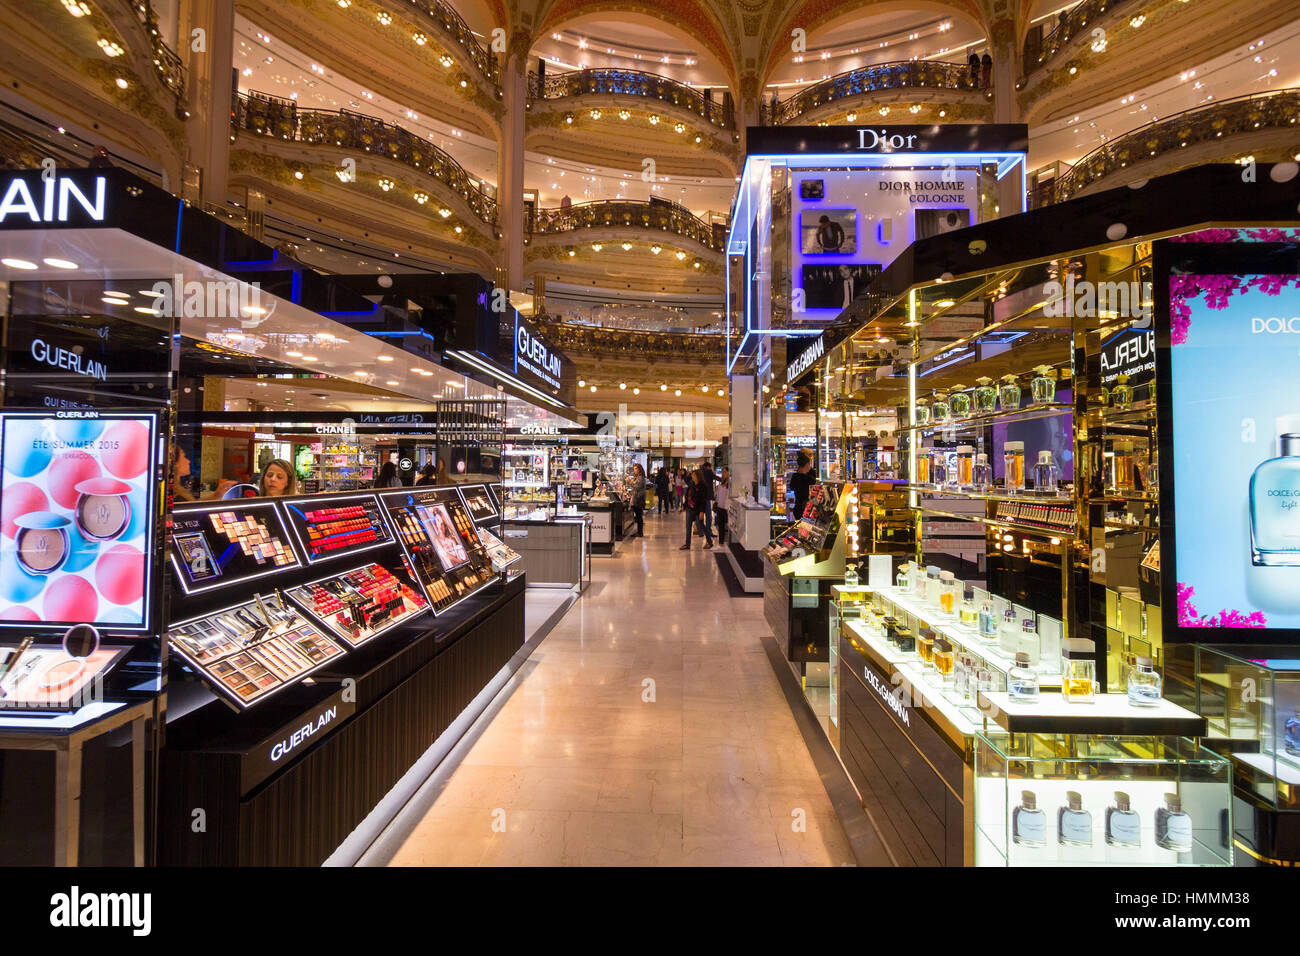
x,y
331,528
360,604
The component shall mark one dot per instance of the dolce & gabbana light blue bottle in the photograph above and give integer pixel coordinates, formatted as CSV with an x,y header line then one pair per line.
x,y
1275,505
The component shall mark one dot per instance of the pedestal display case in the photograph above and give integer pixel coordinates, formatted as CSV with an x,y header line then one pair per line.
x,y
305,631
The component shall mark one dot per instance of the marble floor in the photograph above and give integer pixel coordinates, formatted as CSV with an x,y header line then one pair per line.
x,y
648,728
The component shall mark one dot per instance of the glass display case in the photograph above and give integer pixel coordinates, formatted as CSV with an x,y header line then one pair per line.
x,y
1081,800
1250,696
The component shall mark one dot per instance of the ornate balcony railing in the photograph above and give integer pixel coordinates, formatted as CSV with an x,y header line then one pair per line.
x,y
170,67
279,118
898,75
616,343
1071,24
1241,114
554,86
457,28
632,214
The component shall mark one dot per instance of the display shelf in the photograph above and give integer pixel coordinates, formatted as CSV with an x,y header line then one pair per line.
x,y
1106,714
1028,413
1027,497
1000,522
359,605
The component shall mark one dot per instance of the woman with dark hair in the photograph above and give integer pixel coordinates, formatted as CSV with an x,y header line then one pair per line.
x,y
278,479
638,498
426,475
695,499
388,476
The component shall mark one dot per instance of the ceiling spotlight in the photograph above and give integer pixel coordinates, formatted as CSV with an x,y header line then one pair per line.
x,y
623,114
705,389
696,263
719,393
627,246
359,372
385,183
421,198
663,388
680,255
697,139
679,127
420,39
596,247
654,119
582,383
595,114
656,249
636,391
110,48
568,118
622,386
464,83
293,353
572,253
853,116
78,10
393,381
383,17
309,358
18,264
677,391
345,3
445,60
297,174
121,83
385,358
59,263
593,388
459,230
444,212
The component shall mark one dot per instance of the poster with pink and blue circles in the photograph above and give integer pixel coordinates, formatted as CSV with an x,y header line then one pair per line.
x,y
76,499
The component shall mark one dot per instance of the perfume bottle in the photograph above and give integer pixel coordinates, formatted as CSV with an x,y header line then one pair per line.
x,y
850,574
943,660
949,588
1042,387
1123,825
938,468
1022,683
1009,393
1013,466
1073,823
1028,823
1173,825
959,401
923,467
903,639
1009,633
925,647
1078,671
1046,473
986,396
1275,505
964,676
968,615
1291,738
903,579
1143,684
965,466
939,409
1121,466
932,586
1030,645
981,473
987,623
922,411
1121,393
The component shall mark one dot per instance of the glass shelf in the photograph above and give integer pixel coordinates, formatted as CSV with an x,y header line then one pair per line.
x,y
1001,523
1028,413
1026,498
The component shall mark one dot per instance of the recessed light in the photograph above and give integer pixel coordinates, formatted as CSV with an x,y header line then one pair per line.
x,y
114,299
359,372
146,310
309,358
393,381
253,310
293,354
385,358
59,263
18,263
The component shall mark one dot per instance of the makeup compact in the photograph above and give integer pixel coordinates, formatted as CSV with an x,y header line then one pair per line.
x,y
103,509
42,542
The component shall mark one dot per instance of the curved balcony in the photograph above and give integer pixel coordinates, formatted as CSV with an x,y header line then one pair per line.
x,y
630,214
170,67
1038,52
897,75
624,343
557,86
1206,124
457,29
272,116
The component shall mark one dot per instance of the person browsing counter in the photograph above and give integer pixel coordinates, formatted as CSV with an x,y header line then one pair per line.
x,y
801,480
278,479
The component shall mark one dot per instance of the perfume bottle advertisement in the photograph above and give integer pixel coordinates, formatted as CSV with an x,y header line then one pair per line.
x,y
75,505
1235,397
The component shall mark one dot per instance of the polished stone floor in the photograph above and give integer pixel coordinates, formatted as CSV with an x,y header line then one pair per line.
x,y
648,728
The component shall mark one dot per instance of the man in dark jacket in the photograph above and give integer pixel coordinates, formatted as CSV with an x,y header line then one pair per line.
x,y
662,489
800,481
708,479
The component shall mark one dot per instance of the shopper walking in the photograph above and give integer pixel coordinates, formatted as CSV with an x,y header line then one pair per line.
x,y
638,498
720,493
695,511
679,489
662,494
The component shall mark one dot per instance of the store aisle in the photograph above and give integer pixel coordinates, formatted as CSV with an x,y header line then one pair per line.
x,y
648,728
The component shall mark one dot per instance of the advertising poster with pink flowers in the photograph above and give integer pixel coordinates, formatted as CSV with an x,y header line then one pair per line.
x,y
76,504
1234,373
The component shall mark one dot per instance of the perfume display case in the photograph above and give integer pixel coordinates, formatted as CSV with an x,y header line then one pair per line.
x,y
800,565
317,639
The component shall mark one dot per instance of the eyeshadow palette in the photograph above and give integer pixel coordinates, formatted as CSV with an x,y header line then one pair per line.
x,y
217,544
338,525
417,519
249,651
360,604
45,678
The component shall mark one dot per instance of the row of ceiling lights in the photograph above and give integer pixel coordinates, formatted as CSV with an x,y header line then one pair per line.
x,y
110,49
654,119
636,389
655,249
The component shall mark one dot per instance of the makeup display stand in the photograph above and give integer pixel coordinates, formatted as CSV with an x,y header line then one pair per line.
x,y
796,587
321,644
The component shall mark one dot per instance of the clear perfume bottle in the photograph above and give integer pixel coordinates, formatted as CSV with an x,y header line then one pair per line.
x,y
1078,671
938,468
968,615
903,579
1047,473
1121,393
1143,684
1073,823
1030,644
949,591
1009,633
1275,506
1013,466
959,401
981,473
850,574
1121,465
965,676
1291,735
1009,393
987,623
943,661
1123,825
932,587
939,409
1042,387
922,411
1173,825
986,396
1028,823
1022,683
